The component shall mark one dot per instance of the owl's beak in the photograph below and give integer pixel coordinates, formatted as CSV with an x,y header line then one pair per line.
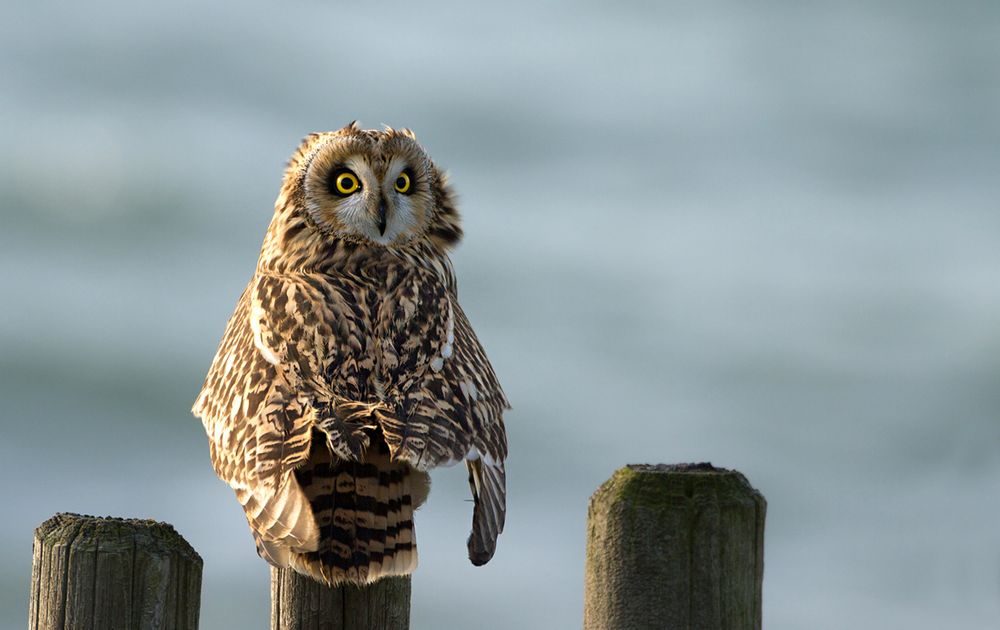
x,y
381,217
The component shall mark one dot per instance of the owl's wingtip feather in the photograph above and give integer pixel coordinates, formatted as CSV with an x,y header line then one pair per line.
x,y
488,483
479,556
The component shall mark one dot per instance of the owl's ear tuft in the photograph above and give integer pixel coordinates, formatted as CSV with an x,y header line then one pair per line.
x,y
349,127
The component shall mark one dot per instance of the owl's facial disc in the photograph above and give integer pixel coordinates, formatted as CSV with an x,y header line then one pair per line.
x,y
365,190
373,205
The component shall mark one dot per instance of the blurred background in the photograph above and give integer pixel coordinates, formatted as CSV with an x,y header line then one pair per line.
x,y
765,235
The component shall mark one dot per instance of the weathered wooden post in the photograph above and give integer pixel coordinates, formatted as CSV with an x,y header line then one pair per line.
x,y
301,603
679,546
112,574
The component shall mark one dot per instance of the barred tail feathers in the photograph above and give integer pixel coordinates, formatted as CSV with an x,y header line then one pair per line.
x,y
364,511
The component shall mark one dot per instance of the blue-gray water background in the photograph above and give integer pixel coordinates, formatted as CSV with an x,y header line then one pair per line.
x,y
762,234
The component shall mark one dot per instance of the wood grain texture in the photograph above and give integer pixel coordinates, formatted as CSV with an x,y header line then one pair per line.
x,y
113,574
301,603
674,547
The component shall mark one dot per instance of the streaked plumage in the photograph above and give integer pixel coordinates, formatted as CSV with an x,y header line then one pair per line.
x,y
348,368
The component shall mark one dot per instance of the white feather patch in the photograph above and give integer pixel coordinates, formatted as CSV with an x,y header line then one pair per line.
x,y
469,390
230,360
256,315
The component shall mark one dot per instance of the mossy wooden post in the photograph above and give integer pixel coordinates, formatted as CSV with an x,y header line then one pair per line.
x,y
678,546
112,574
301,603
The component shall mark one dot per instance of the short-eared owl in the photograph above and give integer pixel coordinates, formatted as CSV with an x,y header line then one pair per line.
x,y
349,369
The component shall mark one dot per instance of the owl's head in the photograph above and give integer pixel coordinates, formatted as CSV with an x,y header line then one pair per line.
x,y
376,187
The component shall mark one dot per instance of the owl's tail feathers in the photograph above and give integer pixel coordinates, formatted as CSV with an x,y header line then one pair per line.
x,y
489,489
282,521
365,515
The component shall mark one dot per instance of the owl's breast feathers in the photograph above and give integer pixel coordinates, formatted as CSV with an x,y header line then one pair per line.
x,y
380,352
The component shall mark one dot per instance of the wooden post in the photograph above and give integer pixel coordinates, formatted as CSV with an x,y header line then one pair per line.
x,y
301,603
112,574
678,546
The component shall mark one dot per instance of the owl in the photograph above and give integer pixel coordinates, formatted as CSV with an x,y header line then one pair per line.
x,y
348,369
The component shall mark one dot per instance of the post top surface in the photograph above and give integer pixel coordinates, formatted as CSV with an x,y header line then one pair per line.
x,y
702,467
659,484
80,527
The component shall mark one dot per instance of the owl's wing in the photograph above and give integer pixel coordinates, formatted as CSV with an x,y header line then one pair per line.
x,y
311,329
485,458
451,403
258,424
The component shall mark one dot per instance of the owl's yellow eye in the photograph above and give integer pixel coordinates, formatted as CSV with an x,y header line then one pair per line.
x,y
344,183
403,183
347,183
